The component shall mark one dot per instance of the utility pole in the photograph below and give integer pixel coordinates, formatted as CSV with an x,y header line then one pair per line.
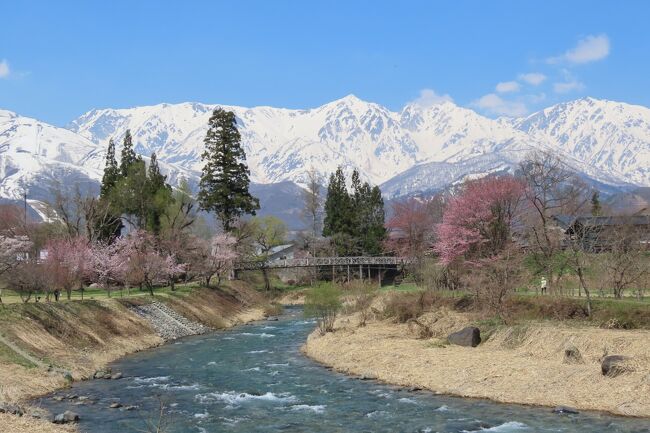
x,y
25,205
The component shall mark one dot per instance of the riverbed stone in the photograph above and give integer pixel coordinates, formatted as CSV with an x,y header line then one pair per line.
x,y
102,373
13,409
116,376
614,365
66,417
468,337
565,410
115,405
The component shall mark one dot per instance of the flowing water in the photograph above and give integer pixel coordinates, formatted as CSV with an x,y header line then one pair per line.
x,y
254,379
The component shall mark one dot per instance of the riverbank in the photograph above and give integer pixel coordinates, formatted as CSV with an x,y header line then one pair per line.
x,y
523,364
44,345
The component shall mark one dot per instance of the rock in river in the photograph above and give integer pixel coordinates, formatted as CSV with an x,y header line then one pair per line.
x,y
66,417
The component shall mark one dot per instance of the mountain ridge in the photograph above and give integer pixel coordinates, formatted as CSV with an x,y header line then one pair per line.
x,y
418,148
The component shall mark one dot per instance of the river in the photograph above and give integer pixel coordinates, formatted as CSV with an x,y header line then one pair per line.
x,y
253,378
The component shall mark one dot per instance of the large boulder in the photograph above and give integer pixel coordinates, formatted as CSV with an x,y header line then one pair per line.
x,y
66,417
468,337
614,365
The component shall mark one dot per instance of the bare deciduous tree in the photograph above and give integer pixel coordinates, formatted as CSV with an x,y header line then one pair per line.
x,y
552,189
313,201
625,261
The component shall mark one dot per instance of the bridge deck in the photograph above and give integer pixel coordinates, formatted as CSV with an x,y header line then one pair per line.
x,y
308,262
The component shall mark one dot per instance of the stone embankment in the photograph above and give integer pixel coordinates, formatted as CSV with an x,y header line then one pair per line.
x,y
167,323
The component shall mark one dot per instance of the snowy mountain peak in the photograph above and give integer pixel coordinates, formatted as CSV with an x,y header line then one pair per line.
x,y
612,136
418,148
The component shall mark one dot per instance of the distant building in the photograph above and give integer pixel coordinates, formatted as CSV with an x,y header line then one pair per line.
x,y
282,252
595,232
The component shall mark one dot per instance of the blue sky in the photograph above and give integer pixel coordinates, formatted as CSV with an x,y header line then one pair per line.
x,y
60,59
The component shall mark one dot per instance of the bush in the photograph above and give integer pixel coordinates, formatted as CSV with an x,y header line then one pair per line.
x,y
361,295
409,306
323,302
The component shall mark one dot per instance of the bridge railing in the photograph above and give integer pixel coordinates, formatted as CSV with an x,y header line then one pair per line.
x,y
306,262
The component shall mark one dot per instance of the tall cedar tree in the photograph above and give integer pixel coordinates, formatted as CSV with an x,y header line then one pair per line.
x,y
159,192
111,170
128,154
354,221
225,176
596,207
368,205
109,227
338,206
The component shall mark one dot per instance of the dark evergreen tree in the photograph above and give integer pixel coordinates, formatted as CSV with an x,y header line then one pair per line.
x,y
368,205
225,177
111,170
159,194
128,154
596,207
374,234
338,206
108,222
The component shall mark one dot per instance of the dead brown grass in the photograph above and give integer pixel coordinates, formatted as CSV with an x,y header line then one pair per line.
x,y
82,337
25,424
518,364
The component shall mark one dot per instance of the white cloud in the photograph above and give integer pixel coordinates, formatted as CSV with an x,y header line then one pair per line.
x,y
429,98
494,104
4,69
508,86
588,49
533,78
568,86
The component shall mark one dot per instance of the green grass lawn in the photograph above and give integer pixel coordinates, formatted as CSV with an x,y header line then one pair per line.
x,y
10,297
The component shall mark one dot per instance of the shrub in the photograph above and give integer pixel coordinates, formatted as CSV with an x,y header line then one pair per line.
x,y
323,302
408,306
362,295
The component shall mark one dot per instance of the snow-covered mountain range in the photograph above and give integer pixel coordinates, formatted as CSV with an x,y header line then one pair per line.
x,y
416,149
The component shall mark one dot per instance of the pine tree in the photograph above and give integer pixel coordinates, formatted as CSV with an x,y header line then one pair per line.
x,y
157,180
159,195
109,224
111,171
375,232
225,177
596,208
128,154
338,206
368,220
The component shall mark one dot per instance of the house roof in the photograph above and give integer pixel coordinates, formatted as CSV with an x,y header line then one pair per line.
x,y
564,221
280,248
636,220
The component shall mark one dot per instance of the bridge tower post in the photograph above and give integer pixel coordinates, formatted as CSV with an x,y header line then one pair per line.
x,y
348,274
361,271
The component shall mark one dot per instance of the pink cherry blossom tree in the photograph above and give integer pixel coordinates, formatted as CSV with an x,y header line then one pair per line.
x,y
67,264
217,258
477,222
108,266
